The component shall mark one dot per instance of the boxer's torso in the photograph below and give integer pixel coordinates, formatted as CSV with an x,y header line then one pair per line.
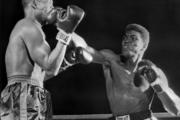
x,y
124,96
17,59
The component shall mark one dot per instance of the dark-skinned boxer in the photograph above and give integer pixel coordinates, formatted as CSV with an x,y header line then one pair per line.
x,y
131,81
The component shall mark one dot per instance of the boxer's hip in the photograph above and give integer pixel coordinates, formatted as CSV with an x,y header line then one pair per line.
x,y
24,98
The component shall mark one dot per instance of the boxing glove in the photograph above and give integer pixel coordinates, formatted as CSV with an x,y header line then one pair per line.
x,y
83,56
67,22
147,71
77,55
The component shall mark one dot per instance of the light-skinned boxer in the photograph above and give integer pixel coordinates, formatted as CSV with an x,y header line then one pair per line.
x,y
29,59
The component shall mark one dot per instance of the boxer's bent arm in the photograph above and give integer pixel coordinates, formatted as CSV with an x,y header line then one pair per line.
x,y
169,99
90,53
57,56
40,52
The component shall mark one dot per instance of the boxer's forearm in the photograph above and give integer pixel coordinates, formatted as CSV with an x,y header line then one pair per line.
x,y
97,57
49,75
170,100
56,58
168,97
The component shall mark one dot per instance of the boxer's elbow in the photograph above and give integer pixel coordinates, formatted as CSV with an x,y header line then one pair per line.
x,y
178,113
51,72
178,110
52,69
175,110
177,106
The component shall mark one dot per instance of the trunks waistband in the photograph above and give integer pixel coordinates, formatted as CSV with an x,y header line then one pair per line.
x,y
125,117
25,79
142,115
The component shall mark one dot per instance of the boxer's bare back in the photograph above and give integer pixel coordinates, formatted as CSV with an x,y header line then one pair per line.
x,y
18,59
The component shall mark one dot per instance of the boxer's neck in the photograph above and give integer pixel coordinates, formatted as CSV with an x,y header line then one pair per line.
x,y
132,62
37,23
34,16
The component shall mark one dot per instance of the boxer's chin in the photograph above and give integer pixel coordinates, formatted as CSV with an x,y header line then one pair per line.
x,y
50,21
129,53
51,17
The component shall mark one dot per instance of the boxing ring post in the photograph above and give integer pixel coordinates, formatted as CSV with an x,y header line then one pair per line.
x,y
160,116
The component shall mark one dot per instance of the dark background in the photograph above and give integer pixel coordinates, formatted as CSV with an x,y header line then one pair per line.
x,y
81,88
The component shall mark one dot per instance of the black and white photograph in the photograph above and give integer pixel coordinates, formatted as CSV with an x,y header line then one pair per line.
x,y
90,60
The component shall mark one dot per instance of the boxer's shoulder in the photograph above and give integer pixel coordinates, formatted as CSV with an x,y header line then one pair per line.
x,y
18,30
29,29
26,25
109,54
21,27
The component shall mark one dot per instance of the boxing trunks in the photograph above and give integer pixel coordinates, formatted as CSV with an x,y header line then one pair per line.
x,y
25,99
143,115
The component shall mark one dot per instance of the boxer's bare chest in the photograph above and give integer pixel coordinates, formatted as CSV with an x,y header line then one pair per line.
x,y
123,90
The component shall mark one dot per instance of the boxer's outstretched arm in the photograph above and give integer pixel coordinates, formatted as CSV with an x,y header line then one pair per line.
x,y
92,55
102,56
169,99
97,56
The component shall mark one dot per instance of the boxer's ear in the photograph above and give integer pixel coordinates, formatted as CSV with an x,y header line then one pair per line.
x,y
39,4
34,4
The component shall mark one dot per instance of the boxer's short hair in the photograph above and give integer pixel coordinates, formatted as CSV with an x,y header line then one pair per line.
x,y
140,29
26,2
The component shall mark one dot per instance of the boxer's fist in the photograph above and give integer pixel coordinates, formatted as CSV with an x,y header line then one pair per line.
x,y
147,70
68,20
155,76
83,56
76,55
